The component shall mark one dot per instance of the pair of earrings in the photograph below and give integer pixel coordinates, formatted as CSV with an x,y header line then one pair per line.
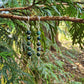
x,y
38,39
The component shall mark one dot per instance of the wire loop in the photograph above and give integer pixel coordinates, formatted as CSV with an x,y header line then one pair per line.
x,y
39,18
28,26
38,23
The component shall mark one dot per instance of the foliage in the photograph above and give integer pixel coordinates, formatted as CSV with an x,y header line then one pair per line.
x,y
77,36
13,39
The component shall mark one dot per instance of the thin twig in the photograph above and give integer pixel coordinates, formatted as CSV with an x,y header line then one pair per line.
x,y
29,7
46,18
16,8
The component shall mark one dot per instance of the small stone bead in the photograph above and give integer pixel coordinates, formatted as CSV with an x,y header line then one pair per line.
x,y
29,48
29,53
28,37
38,54
38,38
39,49
28,43
38,44
28,32
38,33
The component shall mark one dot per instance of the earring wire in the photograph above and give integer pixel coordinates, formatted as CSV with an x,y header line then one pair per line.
x,y
28,26
39,22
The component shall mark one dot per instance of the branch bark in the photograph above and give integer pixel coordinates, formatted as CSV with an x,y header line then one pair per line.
x,y
46,18
16,8
25,8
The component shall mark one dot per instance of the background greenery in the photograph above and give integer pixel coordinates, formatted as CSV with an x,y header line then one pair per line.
x,y
15,66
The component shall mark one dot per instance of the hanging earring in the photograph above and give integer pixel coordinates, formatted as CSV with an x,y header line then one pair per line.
x,y
38,38
28,38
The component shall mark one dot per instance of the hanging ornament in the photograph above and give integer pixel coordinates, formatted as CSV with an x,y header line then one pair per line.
x,y
38,38
28,38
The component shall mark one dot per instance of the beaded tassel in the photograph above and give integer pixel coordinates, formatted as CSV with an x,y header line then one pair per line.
x,y
38,38
28,38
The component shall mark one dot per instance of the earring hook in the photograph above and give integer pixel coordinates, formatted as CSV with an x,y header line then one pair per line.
x,y
38,23
39,18
28,18
28,22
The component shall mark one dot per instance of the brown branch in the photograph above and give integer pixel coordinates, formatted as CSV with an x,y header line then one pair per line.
x,y
59,18
79,2
65,3
16,8
24,8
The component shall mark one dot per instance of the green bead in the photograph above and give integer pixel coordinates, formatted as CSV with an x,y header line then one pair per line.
x,y
38,38
28,43
38,54
38,44
28,37
39,49
29,53
28,32
29,48
38,33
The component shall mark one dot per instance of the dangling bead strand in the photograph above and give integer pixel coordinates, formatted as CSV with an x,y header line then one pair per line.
x,y
38,38
28,38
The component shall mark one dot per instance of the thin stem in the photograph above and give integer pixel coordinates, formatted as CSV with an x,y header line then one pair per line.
x,y
29,7
45,18
16,8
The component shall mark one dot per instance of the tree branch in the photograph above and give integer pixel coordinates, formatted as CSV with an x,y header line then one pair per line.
x,y
62,18
24,8
16,8
65,3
